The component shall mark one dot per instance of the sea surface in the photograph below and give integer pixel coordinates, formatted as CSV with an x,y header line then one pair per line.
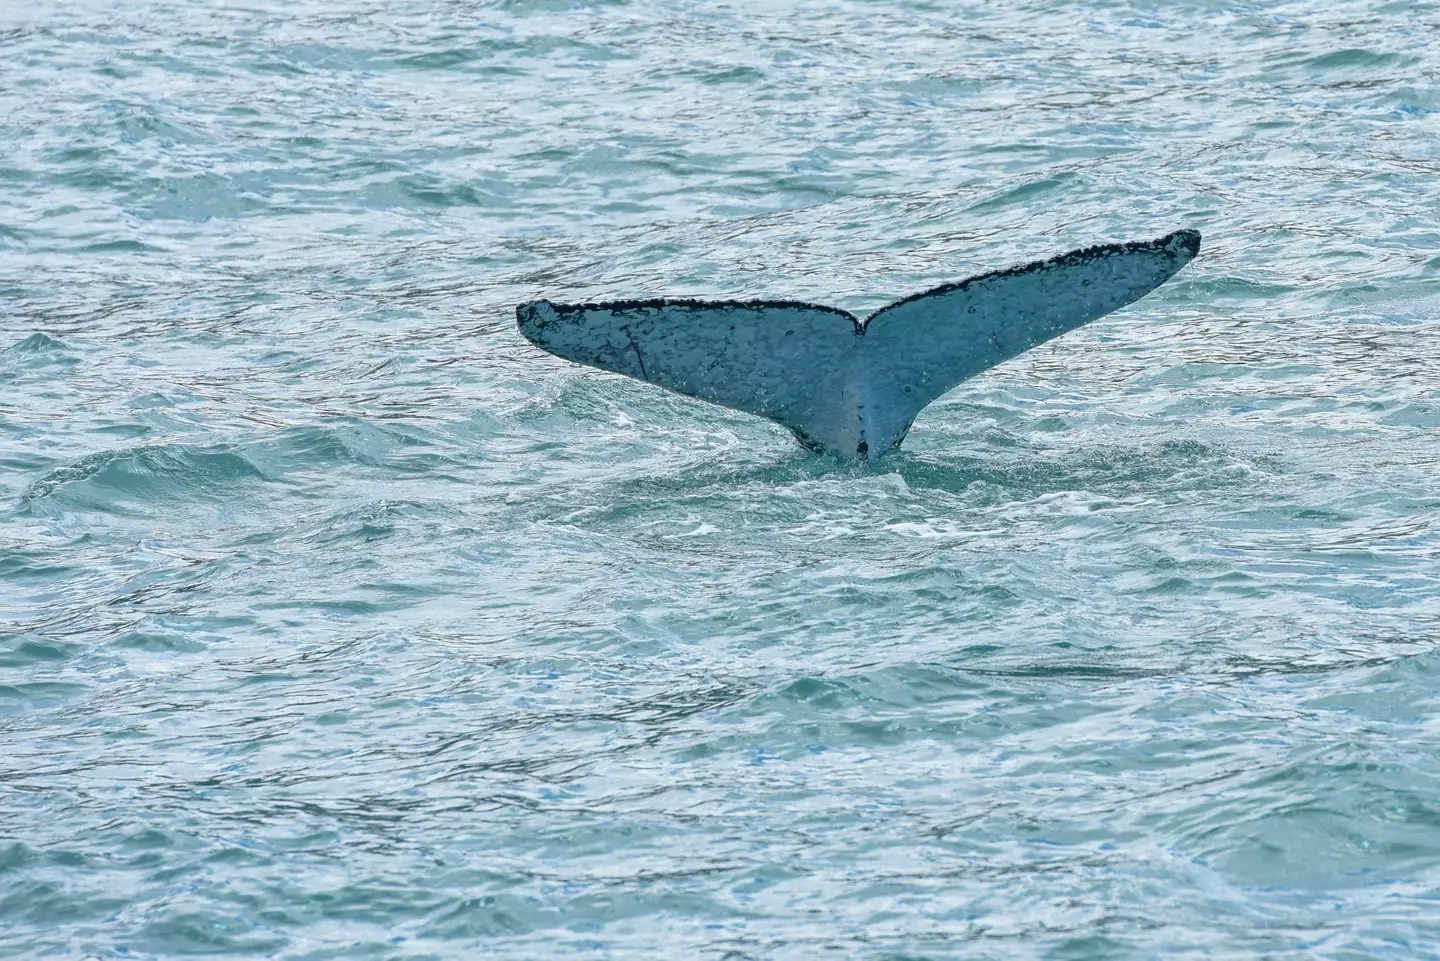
x,y
337,621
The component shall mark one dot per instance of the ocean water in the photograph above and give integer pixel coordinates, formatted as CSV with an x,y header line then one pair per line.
x,y
336,621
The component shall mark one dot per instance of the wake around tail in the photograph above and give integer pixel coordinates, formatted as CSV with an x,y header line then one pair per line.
x,y
842,384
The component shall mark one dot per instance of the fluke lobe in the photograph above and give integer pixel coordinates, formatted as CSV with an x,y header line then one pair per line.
x,y
841,384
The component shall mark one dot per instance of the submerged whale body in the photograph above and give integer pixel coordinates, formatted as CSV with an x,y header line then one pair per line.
x,y
841,384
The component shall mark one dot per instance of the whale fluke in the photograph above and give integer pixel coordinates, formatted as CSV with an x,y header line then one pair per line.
x,y
839,383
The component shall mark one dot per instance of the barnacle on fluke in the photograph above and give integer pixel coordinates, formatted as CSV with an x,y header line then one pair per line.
x,y
839,383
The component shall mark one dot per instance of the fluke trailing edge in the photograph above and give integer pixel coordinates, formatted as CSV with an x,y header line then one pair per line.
x,y
842,384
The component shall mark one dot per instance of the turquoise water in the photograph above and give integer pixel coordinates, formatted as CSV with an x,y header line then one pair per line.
x,y
339,622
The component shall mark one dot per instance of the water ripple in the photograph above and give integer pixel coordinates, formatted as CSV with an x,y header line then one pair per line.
x,y
335,621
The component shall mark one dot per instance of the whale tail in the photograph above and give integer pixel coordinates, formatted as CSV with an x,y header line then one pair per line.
x,y
840,383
